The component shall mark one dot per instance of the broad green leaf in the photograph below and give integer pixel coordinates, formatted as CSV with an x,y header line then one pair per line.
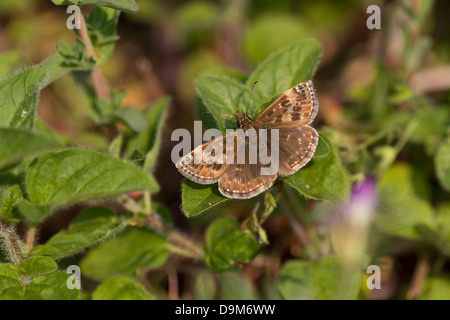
x,y
9,61
125,254
34,266
54,67
283,70
442,164
18,96
36,278
122,5
222,96
16,144
318,280
227,245
436,288
121,288
92,226
8,200
402,205
72,175
197,198
324,177
235,286
51,286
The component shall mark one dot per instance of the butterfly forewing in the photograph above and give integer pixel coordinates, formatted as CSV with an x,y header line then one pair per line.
x,y
210,167
296,106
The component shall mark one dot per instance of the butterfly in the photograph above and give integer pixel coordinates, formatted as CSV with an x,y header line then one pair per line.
x,y
291,114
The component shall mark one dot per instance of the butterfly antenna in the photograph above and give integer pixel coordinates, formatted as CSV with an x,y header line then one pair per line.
x,y
249,99
217,114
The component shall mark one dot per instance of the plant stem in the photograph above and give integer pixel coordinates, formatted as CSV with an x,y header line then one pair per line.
x,y
12,243
188,247
30,238
420,274
96,74
175,236
298,229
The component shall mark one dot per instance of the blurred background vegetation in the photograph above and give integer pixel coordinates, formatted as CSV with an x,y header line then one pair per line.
x,y
384,103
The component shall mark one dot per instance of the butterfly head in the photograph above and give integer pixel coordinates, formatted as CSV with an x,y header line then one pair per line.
x,y
243,120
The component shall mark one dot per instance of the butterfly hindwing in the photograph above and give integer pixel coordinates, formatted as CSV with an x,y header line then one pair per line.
x,y
296,147
244,181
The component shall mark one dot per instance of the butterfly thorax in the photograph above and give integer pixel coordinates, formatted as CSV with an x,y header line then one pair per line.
x,y
243,120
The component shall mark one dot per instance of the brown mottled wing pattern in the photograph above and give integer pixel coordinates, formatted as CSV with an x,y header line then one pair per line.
x,y
292,113
296,106
204,172
297,147
244,181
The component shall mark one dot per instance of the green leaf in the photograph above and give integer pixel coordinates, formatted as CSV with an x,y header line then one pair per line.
x,y
148,141
55,67
8,200
125,254
442,164
92,226
16,144
222,96
283,70
36,278
115,147
235,286
197,198
121,288
130,117
319,280
19,94
34,266
436,288
102,25
324,177
402,205
44,287
72,175
431,126
121,5
204,286
270,31
227,245
156,117
9,61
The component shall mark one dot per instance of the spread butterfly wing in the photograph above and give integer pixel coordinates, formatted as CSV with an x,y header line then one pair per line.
x,y
296,106
296,147
206,163
244,181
